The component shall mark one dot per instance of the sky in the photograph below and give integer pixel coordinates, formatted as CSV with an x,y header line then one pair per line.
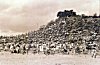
x,y
21,16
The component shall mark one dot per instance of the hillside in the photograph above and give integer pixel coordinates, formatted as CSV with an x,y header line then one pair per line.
x,y
58,36
68,30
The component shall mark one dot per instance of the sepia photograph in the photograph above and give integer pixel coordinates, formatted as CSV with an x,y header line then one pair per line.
x,y
49,32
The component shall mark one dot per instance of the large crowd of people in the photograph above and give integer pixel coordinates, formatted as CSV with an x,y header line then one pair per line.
x,y
65,35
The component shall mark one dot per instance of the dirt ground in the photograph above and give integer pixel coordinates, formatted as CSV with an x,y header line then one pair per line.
x,y
31,59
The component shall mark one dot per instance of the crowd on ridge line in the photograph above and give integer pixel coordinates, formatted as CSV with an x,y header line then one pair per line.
x,y
64,35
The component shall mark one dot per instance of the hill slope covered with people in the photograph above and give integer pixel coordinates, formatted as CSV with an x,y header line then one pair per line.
x,y
64,34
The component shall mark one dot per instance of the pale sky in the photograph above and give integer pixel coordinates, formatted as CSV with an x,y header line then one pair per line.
x,y
19,16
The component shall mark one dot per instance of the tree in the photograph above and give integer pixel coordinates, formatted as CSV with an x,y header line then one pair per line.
x,y
83,15
95,15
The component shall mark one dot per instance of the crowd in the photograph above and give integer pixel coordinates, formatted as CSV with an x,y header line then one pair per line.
x,y
66,35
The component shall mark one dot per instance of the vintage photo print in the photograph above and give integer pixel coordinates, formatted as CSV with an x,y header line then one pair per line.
x,y
49,32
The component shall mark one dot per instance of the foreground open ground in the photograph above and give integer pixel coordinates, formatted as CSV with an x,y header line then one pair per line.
x,y
31,59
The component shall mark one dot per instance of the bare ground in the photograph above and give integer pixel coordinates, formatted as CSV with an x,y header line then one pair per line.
x,y
31,59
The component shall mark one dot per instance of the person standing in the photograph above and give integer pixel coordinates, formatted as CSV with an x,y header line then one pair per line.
x,y
94,53
94,50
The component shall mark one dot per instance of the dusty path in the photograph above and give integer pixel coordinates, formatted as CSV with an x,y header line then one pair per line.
x,y
18,59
